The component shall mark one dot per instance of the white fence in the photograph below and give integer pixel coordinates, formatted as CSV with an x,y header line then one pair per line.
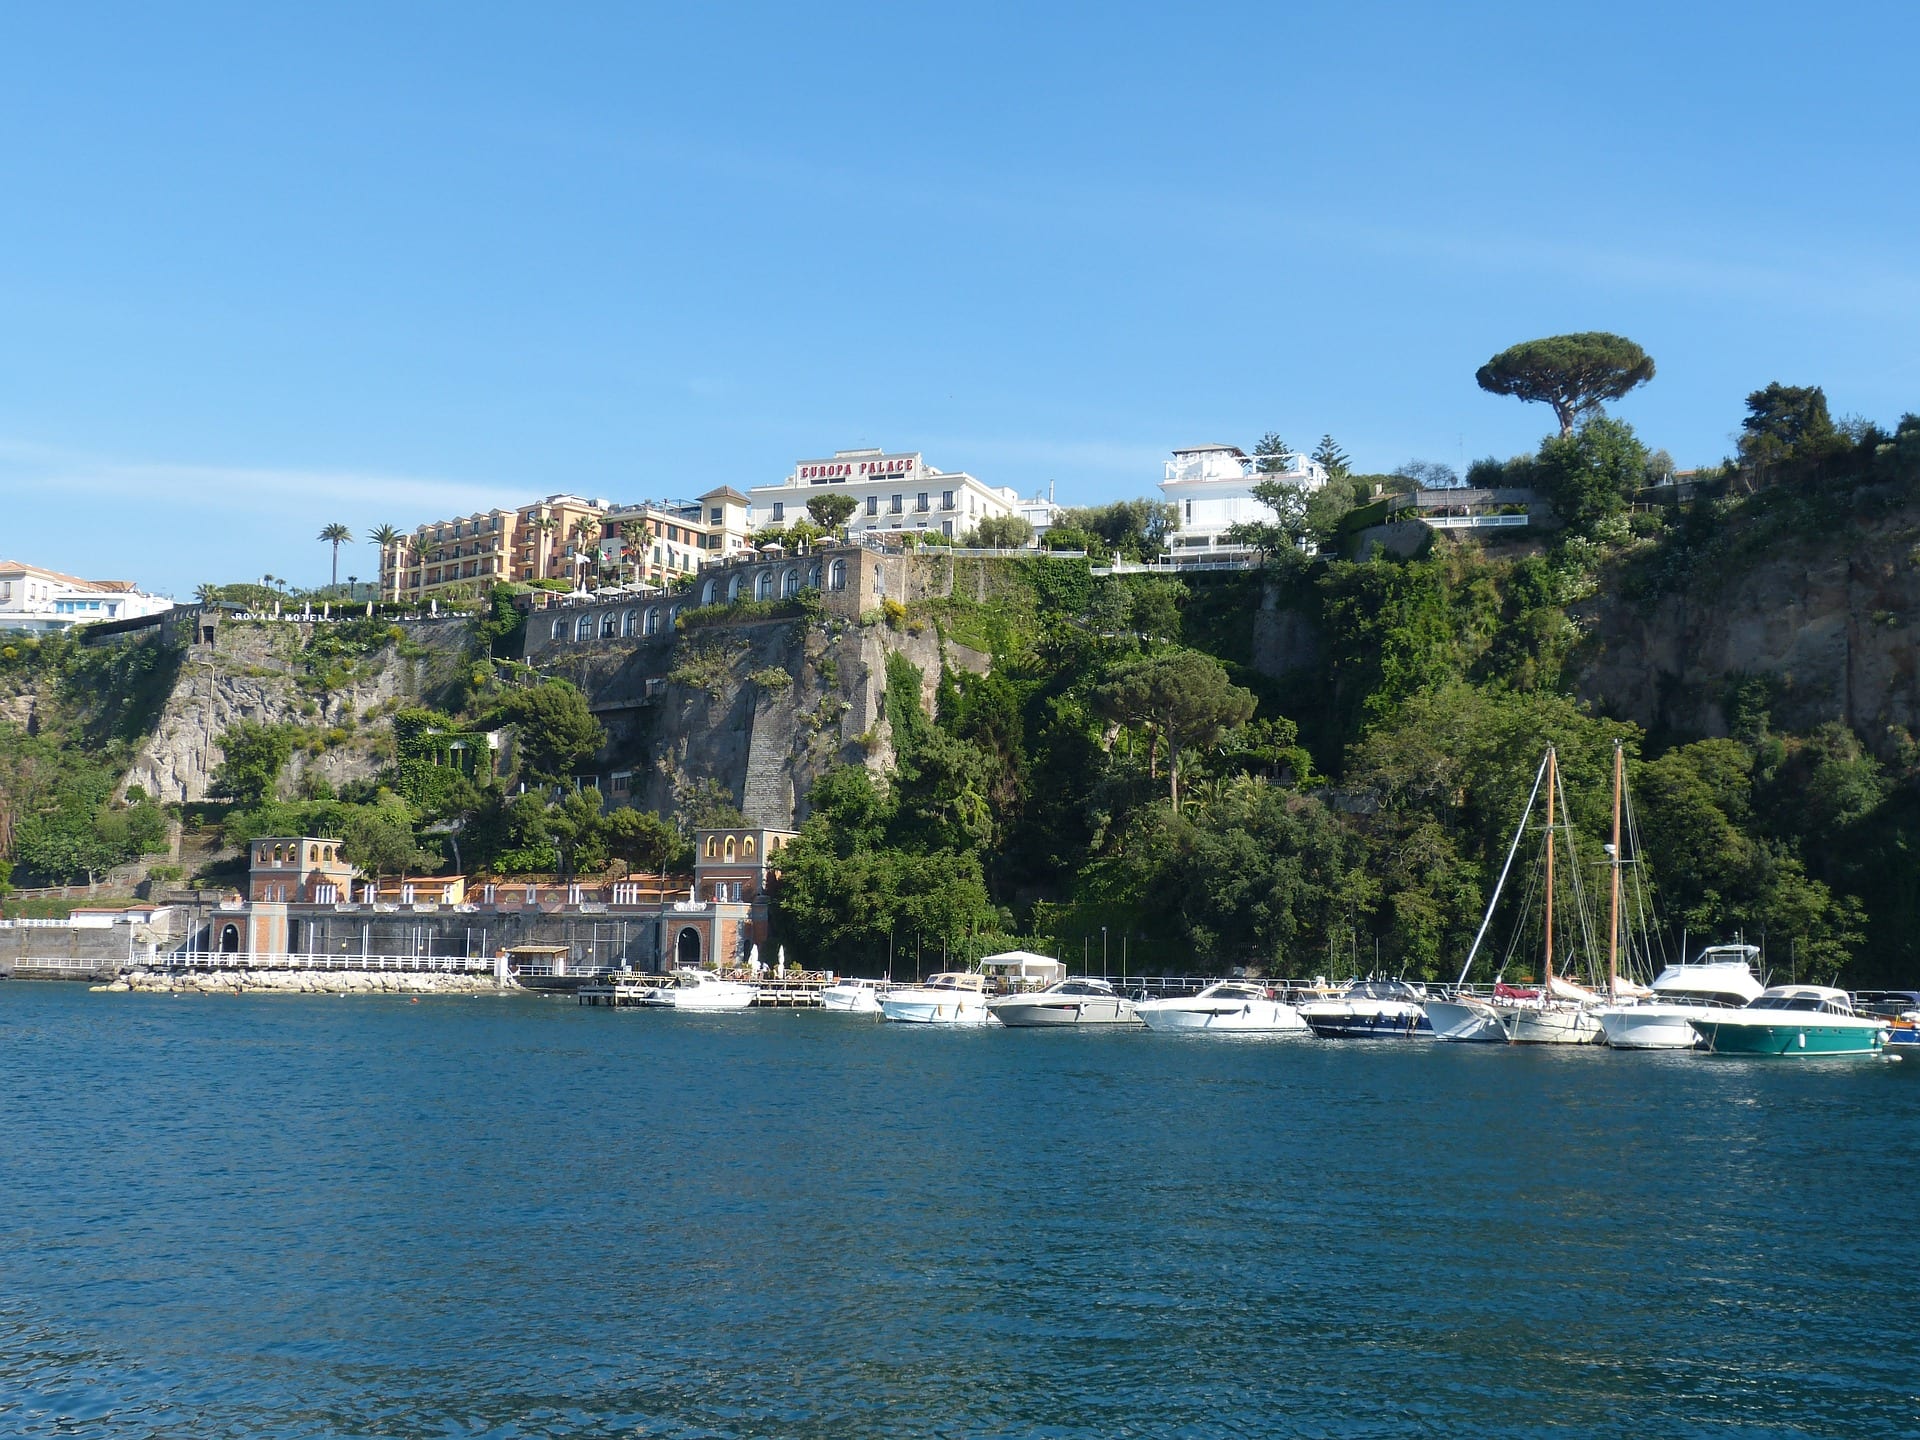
x,y
246,960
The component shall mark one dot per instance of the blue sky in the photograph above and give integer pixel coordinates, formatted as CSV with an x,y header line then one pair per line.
x,y
264,267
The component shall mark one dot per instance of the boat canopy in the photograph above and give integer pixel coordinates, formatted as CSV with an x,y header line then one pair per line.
x,y
1025,965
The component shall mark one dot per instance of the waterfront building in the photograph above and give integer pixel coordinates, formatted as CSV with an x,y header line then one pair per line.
x,y
1211,489
566,537
38,601
891,490
303,899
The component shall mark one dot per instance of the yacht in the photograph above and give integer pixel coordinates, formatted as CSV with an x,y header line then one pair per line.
x,y
852,995
686,989
955,998
1371,1010
1242,1007
1066,1002
1463,1017
1793,1020
1719,977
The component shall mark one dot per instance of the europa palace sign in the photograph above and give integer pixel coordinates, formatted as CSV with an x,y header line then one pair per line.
x,y
867,467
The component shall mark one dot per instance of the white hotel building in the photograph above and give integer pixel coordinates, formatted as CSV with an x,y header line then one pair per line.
x,y
890,492
37,601
1211,488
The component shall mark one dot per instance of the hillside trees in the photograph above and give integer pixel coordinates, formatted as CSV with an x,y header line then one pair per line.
x,y
253,755
1591,473
557,732
1573,374
1181,699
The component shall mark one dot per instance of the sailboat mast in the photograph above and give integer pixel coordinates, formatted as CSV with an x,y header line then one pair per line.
x,y
1613,911
1553,771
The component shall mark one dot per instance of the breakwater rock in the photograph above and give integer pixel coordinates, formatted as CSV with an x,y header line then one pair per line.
x,y
305,982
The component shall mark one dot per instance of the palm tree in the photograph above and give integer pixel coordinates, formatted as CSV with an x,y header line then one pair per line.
x,y
584,529
336,535
386,537
546,525
207,593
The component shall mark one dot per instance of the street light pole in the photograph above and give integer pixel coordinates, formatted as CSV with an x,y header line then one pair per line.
x,y
1103,950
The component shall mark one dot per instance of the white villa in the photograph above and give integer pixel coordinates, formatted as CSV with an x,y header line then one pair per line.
x,y
37,601
891,491
1211,488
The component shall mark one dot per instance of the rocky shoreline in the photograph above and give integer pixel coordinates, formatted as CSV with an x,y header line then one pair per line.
x,y
304,982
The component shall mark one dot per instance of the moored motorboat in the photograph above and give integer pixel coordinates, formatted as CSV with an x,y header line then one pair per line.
x,y
1797,1020
1464,1018
1721,977
687,989
855,995
954,998
1238,1007
1371,1010
1067,1002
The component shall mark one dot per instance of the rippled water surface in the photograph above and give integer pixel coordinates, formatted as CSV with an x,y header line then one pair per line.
x,y
507,1217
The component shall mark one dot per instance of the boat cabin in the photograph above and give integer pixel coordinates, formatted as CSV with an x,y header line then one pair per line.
x,y
1016,970
1818,999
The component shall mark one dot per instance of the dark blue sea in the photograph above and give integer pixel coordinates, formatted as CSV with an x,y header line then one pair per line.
x,y
510,1217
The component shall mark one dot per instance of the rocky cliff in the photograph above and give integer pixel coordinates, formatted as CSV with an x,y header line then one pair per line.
x,y
1827,620
271,672
758,711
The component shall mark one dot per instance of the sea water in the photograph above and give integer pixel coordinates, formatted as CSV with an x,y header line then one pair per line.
x,y
282,1216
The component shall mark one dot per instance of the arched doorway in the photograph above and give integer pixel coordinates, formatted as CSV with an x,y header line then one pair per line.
x,y
230,940
686,950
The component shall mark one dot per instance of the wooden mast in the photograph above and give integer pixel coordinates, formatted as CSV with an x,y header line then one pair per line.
x,y
1613,909
1553,784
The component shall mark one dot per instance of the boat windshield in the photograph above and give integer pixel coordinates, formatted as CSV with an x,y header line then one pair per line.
x,y
1786,1002
1235,992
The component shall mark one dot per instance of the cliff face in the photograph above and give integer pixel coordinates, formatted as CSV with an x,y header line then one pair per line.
x,y
757,711
1828,622
265,672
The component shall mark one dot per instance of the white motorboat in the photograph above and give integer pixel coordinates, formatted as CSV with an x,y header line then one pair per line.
x,y
853,995
1720,977
1371,1010
1464,1018
1067,1002
1239,1007
955,998
687,989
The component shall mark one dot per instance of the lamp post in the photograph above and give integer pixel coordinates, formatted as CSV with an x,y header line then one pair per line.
x,y
1103,950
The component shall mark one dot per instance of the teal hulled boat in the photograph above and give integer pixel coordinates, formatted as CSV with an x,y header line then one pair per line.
x,y
1793,1020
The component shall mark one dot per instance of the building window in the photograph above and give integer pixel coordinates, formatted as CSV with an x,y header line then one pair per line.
x,y
627,622
920,502
653,620
763,586
583,630
609,625
622,782
559,629
729,847
706,593
873,505
946,528
746,848
713,847
893,504
790,584
779,511
946,499
713,516
837,575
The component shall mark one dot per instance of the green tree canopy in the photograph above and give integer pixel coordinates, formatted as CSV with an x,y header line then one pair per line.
x,y
252,759
1572,373
1001,532
1182,698
1593,472
379,838
558,733
642,839
832,510
1787,426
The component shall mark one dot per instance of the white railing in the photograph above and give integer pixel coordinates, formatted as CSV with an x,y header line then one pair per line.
x,y
247,960
64,964
1470,522
76,922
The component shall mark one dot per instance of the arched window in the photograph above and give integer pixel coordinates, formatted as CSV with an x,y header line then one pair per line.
x,y
583,628
790,584
230,940
628,621
713,846
763,585
686,950
733,589
706,593
279,854
837,575
559,629
746,847
729,847
813,576
653,620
